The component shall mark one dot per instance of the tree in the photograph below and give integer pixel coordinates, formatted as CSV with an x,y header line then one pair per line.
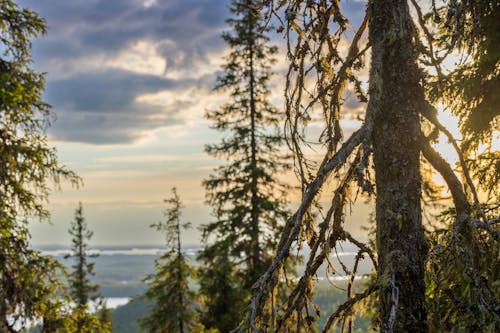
x,y
398,129
173,309
224,297
462,267
103,314
246,194
28,167
82,290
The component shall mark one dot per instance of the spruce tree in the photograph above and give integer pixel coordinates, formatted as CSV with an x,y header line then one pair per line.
x,y
173,301
453,267
470,91
223,296
82,289
246,194
28,167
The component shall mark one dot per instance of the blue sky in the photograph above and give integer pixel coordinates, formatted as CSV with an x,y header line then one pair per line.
x,y
129,82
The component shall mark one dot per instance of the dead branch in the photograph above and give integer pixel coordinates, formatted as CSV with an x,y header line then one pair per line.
x,y
268,281
430,112
347,305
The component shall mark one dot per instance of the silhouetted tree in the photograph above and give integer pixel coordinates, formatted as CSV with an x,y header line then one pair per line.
x,y
248,198
173,309
398,128
463,265
223,295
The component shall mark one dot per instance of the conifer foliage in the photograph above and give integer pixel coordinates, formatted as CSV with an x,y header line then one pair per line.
x,y
168,287
82,290
247,198
426,280
27,167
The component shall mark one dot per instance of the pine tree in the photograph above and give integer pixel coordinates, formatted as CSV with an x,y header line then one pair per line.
x,y
28,281
82,290
103,314
173,309
247,197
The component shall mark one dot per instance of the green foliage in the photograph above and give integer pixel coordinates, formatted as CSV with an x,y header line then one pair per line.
x,y
462,269
328,297
103,315
462,278
125,318
28,166
173,301
223,295
245,193
29,285
472,89
82,290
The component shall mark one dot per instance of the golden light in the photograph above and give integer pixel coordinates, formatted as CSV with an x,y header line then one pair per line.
x,y
443,146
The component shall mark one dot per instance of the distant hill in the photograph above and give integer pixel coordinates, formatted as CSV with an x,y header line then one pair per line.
x,y
328,297
120,271
125,317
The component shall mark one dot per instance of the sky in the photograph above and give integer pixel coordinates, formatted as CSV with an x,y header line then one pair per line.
x,y
130,82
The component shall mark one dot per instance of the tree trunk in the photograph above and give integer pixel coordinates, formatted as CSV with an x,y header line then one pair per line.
x,y
254,218
180,279
394,83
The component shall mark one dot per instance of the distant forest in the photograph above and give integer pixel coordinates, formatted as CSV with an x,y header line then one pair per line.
x,y
432,245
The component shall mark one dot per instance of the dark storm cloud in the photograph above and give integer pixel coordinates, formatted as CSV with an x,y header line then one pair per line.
x,y
99,106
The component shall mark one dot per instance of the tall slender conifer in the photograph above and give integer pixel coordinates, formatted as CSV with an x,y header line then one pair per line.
x,y
247,197
173,309
82,289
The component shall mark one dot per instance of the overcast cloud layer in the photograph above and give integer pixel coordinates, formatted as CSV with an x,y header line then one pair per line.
x,y
103,56
117,69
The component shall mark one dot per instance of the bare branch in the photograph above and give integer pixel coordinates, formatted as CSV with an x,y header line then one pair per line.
x,y
430,112
394,304
441,165
348,305
262,288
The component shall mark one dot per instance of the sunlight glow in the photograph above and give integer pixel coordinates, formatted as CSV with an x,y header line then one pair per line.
x,y
142,57
443,146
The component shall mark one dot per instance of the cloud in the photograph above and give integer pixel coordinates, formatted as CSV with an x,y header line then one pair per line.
x,y
106,91
107,60
98,128
105,107
104,56
79,29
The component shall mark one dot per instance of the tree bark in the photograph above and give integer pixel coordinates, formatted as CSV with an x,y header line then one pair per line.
x,y
255,229
394,82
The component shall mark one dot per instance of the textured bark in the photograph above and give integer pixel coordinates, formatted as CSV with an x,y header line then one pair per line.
x,y
400,239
